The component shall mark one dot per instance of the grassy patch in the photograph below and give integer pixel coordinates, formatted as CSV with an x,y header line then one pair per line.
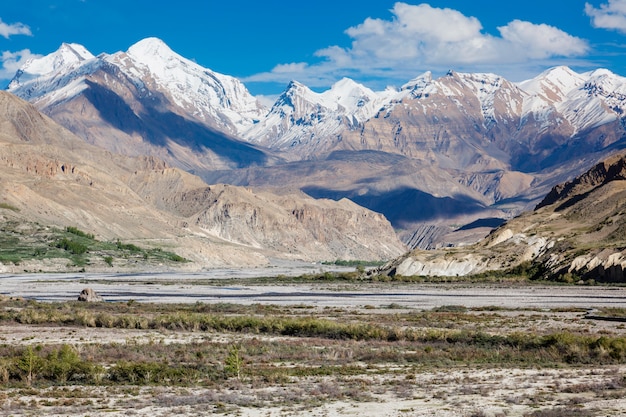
x,y
353,263
449,335
8,206
21,242
217,358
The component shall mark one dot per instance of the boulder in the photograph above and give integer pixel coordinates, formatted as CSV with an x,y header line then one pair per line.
x,y
89,295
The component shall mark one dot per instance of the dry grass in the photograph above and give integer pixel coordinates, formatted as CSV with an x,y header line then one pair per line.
x,y
174,360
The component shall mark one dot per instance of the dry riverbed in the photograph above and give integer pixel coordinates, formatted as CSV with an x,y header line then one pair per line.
x,y
315,348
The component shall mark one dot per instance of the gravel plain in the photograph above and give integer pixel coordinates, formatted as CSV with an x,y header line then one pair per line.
x,y
401,390
229,285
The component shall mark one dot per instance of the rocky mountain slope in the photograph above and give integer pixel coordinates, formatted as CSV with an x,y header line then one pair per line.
x,y
145,101
578,232
52,177
449,151
432,155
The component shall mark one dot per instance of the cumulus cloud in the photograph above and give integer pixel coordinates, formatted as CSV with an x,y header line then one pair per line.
x,y
611,15
312,75
295,67
7,30
422,37
12,61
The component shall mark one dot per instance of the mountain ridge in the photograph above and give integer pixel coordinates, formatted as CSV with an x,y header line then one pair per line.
x,y
55,178
576,234
472,140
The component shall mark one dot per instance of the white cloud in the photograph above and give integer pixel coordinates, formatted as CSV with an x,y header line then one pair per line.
x,y
422,37
532,41
311,75
295,67
267,100
12,61
7,30
611,15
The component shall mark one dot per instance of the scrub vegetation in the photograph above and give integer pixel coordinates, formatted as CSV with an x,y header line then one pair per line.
x,y
324,354
22,243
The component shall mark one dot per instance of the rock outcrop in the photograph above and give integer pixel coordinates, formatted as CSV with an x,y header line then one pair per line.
x,y
89,295
578,232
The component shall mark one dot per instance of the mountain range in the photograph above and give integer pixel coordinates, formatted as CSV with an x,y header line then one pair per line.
x,y
53,178
443,159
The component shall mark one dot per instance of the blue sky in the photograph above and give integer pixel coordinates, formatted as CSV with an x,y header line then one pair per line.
x,y
379,43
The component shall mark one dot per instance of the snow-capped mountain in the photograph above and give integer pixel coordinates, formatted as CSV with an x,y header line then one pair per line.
x,y
303,123
147,100
53,77
558,103
308,122
219,100
585,100
203,93
448,147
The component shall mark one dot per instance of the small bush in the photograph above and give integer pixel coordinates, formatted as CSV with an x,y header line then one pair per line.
x,y
8,206
78,232
128,246
176,258
72,246
234,362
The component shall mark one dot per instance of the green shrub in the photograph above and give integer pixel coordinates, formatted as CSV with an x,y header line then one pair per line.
x,y
176,258
128,246
62,364
234,362
8,206
72,246
30,364
78,232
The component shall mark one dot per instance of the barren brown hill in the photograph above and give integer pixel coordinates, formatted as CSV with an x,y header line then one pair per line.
x,y
578,232
55,178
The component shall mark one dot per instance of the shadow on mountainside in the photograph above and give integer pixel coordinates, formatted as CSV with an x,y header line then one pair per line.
x,y
554,150
404,206
490,222
157,127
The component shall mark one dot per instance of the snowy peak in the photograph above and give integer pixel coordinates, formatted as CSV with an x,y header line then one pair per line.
x,y
350,96
297,99
153,56
77,50
345,97
149,48
219,100
604,83
585,100
53,78
296,88
67,58
554,84
346,84
460,84
310,120
485,82
418,83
